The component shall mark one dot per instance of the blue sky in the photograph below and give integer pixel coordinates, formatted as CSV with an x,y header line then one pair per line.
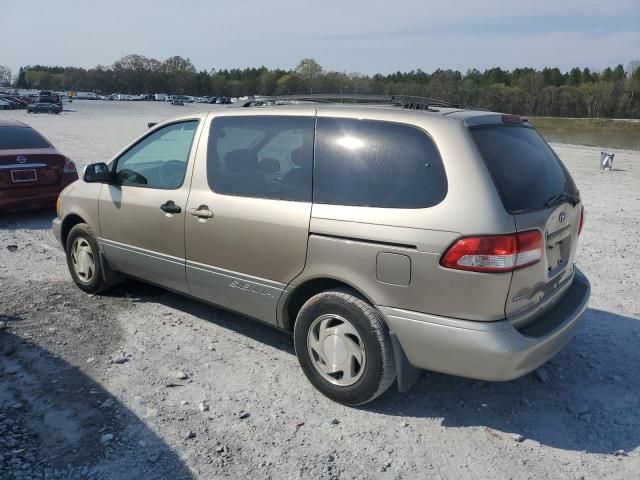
x,y
354,36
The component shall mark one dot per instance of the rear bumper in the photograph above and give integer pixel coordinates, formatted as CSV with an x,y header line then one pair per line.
x,y
35,197
487,350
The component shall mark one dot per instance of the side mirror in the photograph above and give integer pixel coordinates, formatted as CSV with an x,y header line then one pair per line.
x,y
269,165
97,173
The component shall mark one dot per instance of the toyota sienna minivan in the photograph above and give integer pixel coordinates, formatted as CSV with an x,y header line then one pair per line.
x,y
387,238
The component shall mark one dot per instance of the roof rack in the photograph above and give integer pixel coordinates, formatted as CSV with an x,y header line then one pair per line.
x,y
318,98
423,103
405,101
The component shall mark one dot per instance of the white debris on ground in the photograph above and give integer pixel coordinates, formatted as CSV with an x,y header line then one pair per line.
x,y
105,387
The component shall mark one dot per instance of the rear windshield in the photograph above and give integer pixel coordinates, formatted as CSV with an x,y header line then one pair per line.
x,y
526,171
12,138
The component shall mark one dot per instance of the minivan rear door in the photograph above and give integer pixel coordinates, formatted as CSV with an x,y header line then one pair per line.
x,y
538,191
247,222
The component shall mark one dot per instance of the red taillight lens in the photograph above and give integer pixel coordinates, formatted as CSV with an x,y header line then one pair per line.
x,y
581,219
495,253
507,118
69,166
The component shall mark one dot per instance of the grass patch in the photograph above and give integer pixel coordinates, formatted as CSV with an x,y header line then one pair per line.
x,y
587,124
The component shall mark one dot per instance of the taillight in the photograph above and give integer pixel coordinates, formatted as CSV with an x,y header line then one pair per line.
x,y
508,118
495,253
69,166
581,219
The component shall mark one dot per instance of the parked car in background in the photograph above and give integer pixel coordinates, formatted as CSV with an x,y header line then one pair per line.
x,y
387,239
32,171
4,105
44,108
47,96
86,96
13,102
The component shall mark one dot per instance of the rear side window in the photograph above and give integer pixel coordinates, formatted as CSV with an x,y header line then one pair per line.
x,y
525,169
376,164
12,138
261,157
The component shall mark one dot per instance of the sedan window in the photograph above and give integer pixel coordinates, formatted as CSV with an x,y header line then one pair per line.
x,y
12,138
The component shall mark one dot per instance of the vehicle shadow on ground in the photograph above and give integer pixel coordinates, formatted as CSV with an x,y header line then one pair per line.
x,y
29,220
584,399
54,416
229,320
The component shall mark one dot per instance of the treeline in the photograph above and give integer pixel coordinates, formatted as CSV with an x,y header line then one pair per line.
x,y
613,92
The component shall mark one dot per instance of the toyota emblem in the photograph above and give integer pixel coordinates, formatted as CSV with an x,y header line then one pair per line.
x,y
562,217
21,159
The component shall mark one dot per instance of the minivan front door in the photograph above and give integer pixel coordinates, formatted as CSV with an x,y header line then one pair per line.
x,y
248,213
142,211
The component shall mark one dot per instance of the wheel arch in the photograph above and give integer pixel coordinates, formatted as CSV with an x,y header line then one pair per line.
x,y
68,223
299,294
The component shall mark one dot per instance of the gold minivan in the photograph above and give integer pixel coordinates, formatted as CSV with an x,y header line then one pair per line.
x,y
387,238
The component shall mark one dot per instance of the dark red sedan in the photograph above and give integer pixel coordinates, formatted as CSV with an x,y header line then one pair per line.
x,y
32,171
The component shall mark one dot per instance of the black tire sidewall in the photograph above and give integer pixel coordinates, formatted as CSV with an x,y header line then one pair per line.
x,y
364,389
83,230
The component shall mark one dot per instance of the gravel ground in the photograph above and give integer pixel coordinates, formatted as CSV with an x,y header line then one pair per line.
x,y
142,383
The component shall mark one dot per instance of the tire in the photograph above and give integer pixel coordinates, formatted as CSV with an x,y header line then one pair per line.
x,y
364,331
84,266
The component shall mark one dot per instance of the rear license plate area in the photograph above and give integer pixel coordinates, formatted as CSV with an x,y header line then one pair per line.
x,y
558,251
22,176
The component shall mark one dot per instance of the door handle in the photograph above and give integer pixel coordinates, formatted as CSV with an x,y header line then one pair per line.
x,y
201,212
170,207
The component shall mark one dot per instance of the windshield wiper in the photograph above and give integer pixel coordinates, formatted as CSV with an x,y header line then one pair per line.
x,y
562,197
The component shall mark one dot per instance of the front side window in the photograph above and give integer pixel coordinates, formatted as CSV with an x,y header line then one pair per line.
x,y
261,157
160,159
376,164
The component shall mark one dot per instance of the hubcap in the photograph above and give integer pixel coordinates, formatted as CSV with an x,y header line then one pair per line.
x,y
336,350
83,260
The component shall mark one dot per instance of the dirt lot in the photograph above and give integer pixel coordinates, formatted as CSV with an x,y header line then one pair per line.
x,y
203,393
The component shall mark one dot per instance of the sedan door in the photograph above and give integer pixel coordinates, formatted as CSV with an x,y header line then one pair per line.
x,y
248,212
142,211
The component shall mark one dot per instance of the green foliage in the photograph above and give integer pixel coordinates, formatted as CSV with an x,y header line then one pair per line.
x,y
547,92
5,75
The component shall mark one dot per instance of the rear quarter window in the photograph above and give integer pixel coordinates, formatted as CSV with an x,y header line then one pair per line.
x,y
14,138
376,164
525,169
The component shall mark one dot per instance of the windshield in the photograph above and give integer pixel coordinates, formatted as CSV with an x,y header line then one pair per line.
x,y
525,169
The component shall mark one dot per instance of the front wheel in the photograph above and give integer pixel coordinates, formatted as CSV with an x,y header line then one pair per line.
x,y
344,348
83,259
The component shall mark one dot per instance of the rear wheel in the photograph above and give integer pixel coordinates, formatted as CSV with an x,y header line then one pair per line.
x,y
344,347
83,259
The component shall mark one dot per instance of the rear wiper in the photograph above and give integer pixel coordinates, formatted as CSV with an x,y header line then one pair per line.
x,y
562,197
